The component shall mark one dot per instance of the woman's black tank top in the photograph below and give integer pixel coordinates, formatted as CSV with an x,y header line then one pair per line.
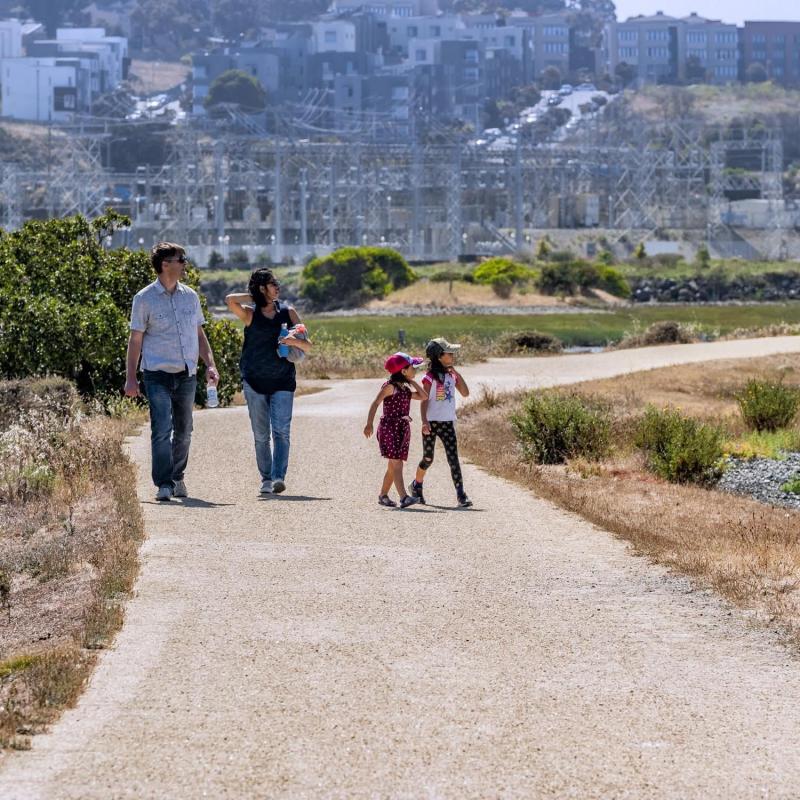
x,y
260,364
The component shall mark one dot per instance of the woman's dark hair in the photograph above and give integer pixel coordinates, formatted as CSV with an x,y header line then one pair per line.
x,y
437,369
397,378
162,251
260,277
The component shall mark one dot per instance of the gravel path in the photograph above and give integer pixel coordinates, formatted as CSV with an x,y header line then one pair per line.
x,y
317,645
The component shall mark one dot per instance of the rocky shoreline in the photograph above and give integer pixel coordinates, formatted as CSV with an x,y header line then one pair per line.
x,y
714,288
762,478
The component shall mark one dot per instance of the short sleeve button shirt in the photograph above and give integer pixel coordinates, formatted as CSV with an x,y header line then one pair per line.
x,y
169,323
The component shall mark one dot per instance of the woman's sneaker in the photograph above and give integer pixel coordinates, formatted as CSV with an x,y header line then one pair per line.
x,y
408,500
464,501
385,500
416,491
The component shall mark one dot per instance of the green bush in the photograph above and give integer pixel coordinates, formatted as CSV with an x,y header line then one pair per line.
x,y
768,405
240,257
552,428
678,448
528,341
502,274
792,486
353,275
215,260
568,277
447,275
612,281
226,344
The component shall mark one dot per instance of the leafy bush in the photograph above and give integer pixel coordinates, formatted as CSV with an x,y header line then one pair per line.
x,y
678,448
447,275
65,302
570,277
552,428
527,341
502,274
226,344
354,275
768,405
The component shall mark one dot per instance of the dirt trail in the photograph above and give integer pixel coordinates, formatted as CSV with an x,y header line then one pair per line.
x,y
317,645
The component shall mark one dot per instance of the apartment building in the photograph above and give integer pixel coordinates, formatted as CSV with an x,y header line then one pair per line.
x,y
712,50
547,43
654,45
774,45
388,8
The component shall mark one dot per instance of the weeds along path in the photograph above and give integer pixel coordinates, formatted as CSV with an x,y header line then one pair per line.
x,y
317,645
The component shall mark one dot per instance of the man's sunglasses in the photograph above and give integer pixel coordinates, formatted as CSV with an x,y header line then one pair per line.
x,y
179,259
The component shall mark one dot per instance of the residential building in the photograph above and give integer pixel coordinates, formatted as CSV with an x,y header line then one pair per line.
x,y
547,44
10,38
774,45
654,45
333,36
403,31
388,8
712,50
44,89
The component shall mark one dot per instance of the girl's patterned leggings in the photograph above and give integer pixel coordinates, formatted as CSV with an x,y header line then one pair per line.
x,y
446,431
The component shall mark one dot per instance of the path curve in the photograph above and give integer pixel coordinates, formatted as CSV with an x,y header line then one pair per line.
x,y
317,645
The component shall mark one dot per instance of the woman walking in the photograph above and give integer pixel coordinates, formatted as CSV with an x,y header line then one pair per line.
x,y
268,378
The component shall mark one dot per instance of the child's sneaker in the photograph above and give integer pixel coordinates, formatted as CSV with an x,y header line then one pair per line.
x,y
385,500
463,500
408,500
416,491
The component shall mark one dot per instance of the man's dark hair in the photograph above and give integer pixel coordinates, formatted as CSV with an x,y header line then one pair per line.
x,y
260,277
164,251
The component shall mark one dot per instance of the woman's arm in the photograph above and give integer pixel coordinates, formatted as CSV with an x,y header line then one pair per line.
x,y
383,393
300,344
236,303
461,384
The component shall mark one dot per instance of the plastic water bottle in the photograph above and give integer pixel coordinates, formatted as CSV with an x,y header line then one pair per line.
x,y
212,398
283,349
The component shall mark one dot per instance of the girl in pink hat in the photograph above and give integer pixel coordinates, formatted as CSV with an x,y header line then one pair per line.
x,y
394,428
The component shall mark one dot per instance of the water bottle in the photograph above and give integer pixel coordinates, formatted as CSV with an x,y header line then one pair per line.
x,y
212,398
283,349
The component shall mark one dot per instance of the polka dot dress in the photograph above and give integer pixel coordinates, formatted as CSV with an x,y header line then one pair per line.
x,y
394,429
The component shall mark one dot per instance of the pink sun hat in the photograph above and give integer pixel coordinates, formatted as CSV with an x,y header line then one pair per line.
x,y
398,361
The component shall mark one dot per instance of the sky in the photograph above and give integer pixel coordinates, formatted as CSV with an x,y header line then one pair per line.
x,y
734,11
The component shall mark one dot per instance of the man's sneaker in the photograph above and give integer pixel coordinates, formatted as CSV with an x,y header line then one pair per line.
x,y
278,486
385,500
180,489
464,501
266,487
416,491
408,500
164,492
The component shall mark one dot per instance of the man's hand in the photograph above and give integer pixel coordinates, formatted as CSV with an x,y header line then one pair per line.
x,y
212,375
132,388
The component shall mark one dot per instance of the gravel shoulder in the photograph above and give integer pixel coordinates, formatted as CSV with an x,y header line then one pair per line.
x,y
317,645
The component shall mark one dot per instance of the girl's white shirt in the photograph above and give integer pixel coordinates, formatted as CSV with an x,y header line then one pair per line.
x,y
441,398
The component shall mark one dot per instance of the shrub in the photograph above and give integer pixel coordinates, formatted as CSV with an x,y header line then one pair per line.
x,y
678,448
641,251
226,344
664,332
552,428
768,405
792,486
447,275
354,275
215,259
568,277
502,274
240,257
612,281
527,341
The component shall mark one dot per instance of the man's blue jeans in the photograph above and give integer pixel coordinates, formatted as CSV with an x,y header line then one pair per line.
x,y
270,411
171,399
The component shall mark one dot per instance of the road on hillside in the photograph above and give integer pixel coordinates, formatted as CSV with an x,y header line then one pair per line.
x,y
317,645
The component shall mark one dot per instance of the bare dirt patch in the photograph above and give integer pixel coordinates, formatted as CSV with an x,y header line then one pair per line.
x,y
149,77
746,551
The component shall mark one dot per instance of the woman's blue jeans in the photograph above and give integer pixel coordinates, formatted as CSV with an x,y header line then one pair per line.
x,y
171,399
270,413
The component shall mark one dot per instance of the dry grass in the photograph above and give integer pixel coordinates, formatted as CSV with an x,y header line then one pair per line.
x,y
69,554
149,77
746,551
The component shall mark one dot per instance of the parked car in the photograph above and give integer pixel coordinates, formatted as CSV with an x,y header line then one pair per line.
x,y
565,89
587,87
554,100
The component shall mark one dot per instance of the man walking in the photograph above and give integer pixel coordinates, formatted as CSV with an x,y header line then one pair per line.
x,y
167,332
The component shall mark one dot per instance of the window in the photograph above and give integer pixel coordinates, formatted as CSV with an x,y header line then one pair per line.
x,y
726,37
436,31
759,55
725,72
726,55
629,52
697,53
412,31
758,38
657,52
695,37
471,74
330,37
421,55
627,36
779,39
555,30
471,56
559,48
657,36
510,41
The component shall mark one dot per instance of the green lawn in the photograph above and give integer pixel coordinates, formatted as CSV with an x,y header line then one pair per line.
x,y
592,328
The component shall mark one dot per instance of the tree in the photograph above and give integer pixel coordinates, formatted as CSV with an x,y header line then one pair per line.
x,y
293,10
756,73
52,13
236,86
234,18
551,77
65,302
695,71
625,73
172,24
